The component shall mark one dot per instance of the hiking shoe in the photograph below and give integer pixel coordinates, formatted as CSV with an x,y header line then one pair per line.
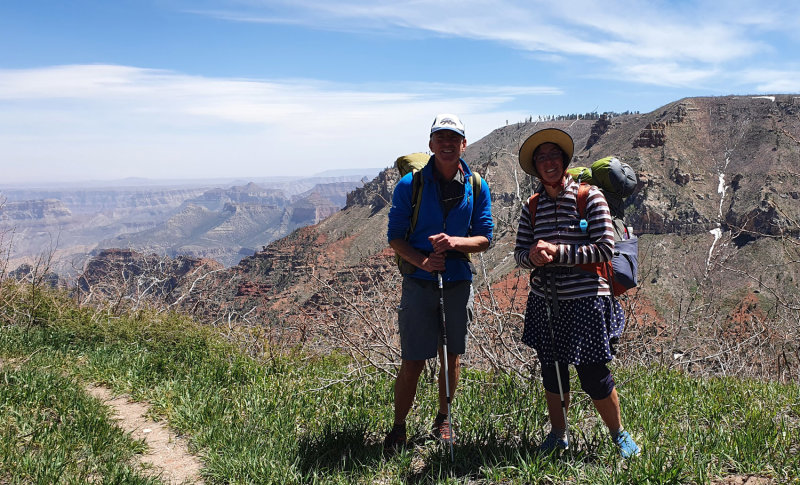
x,y
442,429
552,442
627,448
395,439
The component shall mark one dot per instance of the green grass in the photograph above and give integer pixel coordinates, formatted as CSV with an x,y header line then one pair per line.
x,y
52,432
298,419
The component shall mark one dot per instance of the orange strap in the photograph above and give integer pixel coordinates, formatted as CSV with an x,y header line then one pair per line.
x,y
533,203
583,196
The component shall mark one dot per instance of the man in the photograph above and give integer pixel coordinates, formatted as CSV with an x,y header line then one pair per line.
x,y
452,222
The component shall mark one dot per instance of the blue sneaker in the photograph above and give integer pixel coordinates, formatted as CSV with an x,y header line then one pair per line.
x,y
553,442
627,448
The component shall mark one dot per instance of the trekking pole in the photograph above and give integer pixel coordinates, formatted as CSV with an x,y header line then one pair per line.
x,y
443,326
551,279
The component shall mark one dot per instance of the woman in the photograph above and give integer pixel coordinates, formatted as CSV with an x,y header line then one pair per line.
x,y
571,315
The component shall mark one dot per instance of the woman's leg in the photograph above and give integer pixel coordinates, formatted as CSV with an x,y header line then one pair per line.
x,y
610,414
598,383
609,411
553,396
554,409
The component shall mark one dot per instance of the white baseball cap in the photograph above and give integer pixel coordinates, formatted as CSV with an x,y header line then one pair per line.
x,y
447,121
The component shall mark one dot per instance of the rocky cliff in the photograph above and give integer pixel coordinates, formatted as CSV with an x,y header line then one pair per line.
x,y
50,210
229,224
195,220
116,274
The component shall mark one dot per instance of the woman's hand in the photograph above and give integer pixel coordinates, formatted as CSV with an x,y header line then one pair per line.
x,y
542,253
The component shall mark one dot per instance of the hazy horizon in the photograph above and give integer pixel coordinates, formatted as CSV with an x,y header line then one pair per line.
x,y
138,182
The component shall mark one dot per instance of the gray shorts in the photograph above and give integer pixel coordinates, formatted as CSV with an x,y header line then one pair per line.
x,y
418,317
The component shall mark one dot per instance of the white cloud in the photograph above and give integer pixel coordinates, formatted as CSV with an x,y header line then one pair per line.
x,y
777,81
106,121
666,74
696,39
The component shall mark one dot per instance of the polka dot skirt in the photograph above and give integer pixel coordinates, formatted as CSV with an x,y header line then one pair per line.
x,y
585,331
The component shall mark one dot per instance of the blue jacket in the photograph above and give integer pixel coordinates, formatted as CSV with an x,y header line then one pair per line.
x,y
431,221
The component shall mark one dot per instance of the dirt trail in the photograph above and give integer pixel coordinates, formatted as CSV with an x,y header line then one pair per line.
x,y
167,453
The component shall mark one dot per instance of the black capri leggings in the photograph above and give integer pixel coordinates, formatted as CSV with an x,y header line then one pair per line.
x,y
596,379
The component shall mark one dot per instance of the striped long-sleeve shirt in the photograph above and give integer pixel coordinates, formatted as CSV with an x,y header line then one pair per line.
x,y
558,222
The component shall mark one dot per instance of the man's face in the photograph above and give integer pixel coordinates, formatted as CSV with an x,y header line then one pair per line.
x,y
447,145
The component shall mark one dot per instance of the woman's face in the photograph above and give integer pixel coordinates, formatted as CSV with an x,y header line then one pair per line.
x,y
549,163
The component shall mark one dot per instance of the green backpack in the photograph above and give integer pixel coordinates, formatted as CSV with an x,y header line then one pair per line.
x,y
413,163
617,180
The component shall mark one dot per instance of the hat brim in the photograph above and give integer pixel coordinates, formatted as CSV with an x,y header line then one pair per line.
x,y
454,130
547,135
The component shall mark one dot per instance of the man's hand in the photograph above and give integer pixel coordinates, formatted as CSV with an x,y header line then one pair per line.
x,y
434,262
442,242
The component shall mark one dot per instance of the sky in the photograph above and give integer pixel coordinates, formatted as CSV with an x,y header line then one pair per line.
x,y
94,90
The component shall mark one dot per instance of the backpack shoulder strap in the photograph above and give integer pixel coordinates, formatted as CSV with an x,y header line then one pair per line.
x,y
583,196
533,203
475,179
417,182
